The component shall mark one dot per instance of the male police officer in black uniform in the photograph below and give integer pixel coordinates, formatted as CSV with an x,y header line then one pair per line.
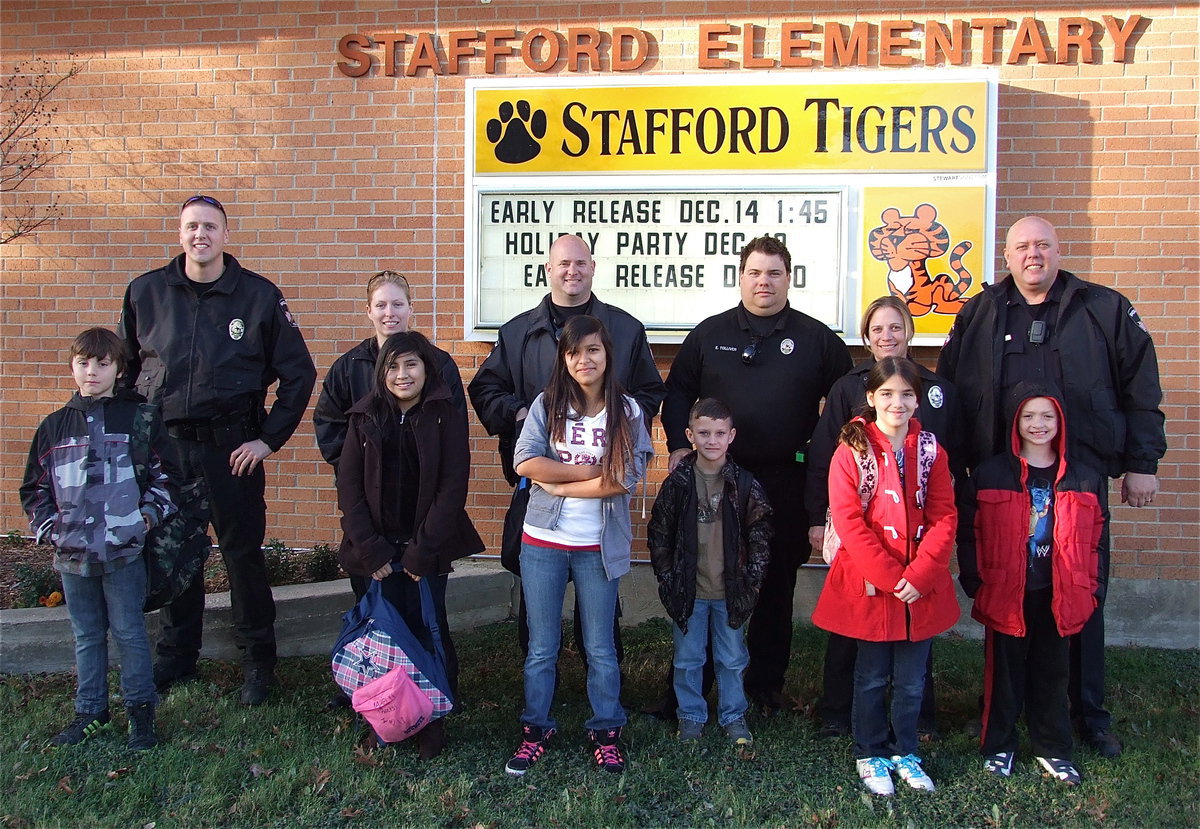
x,y
771,364
206,339
1045,324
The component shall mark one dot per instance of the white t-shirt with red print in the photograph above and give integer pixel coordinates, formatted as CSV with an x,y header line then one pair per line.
x,y
585,440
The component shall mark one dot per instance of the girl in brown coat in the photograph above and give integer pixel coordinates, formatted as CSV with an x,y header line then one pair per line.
x,y
402,489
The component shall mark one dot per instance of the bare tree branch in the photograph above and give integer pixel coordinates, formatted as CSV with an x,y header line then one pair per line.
x,y
29,141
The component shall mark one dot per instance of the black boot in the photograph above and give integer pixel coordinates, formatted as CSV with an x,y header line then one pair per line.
x,y
141,726
431,739
256,682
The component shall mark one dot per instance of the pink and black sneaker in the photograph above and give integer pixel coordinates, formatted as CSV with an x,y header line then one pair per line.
x,y
533,746
607,750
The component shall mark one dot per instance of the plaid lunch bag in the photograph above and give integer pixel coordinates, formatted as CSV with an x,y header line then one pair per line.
x,y
394,682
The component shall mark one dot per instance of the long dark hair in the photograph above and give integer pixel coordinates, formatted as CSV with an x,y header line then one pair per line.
x,y
564,397
383,403
854,433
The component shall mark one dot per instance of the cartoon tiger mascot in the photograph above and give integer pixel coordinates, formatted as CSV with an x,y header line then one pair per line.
x,y
905,243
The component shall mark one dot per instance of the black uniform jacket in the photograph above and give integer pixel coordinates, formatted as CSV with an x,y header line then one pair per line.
x,y
518,368
1109,371
216,355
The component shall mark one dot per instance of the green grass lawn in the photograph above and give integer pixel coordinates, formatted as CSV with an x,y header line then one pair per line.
x,y
290,763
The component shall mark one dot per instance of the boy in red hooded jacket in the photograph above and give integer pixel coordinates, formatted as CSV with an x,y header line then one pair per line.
x,y
1028,555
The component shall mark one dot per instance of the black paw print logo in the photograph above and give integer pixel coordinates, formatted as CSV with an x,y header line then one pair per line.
x,y
516,139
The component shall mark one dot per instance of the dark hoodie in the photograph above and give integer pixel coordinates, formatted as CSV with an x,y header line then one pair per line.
x,y
994,531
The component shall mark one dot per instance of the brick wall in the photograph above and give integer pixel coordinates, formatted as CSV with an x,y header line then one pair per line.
x,y
330,178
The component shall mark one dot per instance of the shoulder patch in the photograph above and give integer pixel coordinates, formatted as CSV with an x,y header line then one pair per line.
x,y
287,314
1133,315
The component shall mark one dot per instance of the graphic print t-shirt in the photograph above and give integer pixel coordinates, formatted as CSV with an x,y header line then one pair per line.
x,y
1041,525
585,441
710,551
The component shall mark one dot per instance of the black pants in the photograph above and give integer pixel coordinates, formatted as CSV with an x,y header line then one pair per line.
x,y
769,633
404,594
1086,685
1027,672
238,511
837,695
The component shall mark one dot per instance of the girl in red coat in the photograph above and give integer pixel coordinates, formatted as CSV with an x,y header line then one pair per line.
x,y
1028,555
891,500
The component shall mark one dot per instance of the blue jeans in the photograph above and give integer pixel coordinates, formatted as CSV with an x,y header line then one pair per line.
x,y
98,604
544,574
730,655
902,665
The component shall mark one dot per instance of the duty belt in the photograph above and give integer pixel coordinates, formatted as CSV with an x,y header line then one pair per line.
x,y
223,431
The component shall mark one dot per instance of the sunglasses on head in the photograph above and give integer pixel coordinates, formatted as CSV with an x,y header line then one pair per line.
x,y
390,275
206,200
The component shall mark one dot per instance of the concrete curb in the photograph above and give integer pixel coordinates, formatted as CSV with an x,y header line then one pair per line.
x,y
1145,612
308,620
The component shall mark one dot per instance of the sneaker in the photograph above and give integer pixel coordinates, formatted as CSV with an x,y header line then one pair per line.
x,y
768,703
607,751
999,764
167,674
910,771
256,683
82,727
1063,771
738,733
831,729
690,731
141,726
533,746
875,774
928,734
1105,744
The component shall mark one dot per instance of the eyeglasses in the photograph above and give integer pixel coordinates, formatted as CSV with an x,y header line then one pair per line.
x,y
206,200
751,351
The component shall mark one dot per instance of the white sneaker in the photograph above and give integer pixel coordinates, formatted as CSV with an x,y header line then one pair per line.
x,y
999,764
1063,771
875,774
910,771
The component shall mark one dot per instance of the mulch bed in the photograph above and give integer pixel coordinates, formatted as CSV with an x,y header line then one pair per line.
x,y
26,574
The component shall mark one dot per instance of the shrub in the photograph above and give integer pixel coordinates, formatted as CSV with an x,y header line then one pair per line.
x,y
35,582
322,563
275,552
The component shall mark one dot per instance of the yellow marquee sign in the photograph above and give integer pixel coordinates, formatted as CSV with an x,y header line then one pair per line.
x,y
686,128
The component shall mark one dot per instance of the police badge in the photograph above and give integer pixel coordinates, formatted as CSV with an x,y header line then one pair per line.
x,y
936,396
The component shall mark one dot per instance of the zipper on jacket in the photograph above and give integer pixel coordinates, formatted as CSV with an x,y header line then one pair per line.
x,y
187,408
